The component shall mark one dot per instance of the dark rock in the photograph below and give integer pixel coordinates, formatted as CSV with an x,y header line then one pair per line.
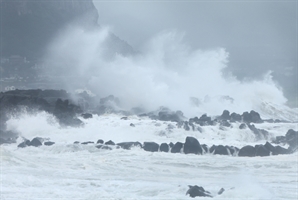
x,y
235,117
259,133
151,146
242,126
292,139
129,145
24,144
212,149
167,115
204,148
171,144
197,191
221,150
225,123
192,145
270,147
110,142
252,117
124,118
177,147
87,115
261,150
76,142
164,147
132,125
49,143
103,147
100,141
280,150
280,140
88,142
35,142
225,115
247,151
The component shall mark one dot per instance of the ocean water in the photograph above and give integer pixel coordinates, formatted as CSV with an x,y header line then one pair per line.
x,y
74,171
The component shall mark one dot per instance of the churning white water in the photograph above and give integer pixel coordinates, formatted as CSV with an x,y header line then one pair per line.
x,y
167,72
75,171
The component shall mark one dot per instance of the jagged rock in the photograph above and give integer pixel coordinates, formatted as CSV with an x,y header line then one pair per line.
x,y
164,147
100,141
151,146
197,191
192,145
252,117
110,142
35,142
49,143
87,115
247,151
177,147
24,144
129,145
220,150
261,150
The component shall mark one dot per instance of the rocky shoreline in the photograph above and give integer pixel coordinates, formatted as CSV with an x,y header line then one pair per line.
x,y
67,108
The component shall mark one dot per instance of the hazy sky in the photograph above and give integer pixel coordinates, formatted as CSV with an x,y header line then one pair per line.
x,y
259,35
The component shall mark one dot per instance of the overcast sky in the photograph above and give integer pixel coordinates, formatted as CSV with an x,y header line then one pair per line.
x,y
259,35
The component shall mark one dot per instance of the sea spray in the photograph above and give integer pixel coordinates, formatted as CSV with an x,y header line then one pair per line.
x,y
167,72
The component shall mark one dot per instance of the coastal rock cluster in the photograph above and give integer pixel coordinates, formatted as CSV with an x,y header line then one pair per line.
x,y
67,113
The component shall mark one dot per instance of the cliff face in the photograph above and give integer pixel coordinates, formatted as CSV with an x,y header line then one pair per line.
x,y
28,25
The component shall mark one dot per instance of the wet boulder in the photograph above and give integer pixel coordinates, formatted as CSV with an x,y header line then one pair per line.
x,y
151,146
220,150
235,117
177,147
49,143
100,141
225,115
192,145
164,147
261,150
251,117
197,191
247,151
129,145
292,139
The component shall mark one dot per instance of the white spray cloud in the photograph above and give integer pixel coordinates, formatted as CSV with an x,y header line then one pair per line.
x,y
167,73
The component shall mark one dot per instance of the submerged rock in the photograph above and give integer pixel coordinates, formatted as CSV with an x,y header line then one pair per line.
x,y
197,191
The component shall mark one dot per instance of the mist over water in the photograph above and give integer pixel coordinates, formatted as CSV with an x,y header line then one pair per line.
x,y
166,72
